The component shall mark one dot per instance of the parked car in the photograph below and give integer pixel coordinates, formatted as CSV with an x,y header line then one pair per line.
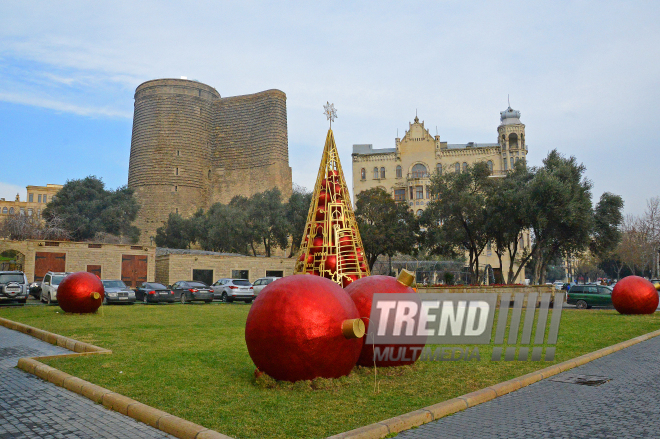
x,y
49,286
192,290
261,283
13,286
229,290
558,285
35,290
153,292
586,296
116,291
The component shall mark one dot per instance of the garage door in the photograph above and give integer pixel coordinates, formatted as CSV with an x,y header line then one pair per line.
x,y
133,269
47,261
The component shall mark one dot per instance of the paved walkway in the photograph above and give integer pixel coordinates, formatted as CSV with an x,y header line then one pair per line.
x,y
627,406
33,408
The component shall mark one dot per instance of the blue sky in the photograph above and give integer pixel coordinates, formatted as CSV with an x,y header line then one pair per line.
x,y
585,75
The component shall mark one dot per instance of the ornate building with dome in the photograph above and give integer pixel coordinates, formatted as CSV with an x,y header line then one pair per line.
x,y
405,170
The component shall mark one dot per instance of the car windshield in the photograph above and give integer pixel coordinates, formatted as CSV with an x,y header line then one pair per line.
x,y
156,286
11,277
198,284
242,282
57,279
113,284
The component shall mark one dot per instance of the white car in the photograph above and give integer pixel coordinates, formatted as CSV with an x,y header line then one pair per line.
x,y
261,283
228,290
49,286
558,285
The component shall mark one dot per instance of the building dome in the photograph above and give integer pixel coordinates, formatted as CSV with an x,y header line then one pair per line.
x,y
510,116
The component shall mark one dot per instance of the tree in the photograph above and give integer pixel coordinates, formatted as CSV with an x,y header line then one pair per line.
x,y
296,215
386,227
607,221
20,227
457,217
87,208
175,233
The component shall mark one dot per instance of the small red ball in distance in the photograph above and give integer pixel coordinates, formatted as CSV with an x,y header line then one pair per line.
x,y
634,295
317,244
331,263
320,214
75,293
324,198
293,330
362,292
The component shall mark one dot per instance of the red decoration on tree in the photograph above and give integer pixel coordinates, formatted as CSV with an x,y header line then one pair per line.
x,y
362,292
331,246
635,295
80,292
297,329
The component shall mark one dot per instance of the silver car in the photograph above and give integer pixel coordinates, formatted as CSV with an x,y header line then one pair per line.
x,y
261,283
116,291
229,290
13,286
49,286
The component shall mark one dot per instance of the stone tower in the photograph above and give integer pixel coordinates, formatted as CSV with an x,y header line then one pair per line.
x,y
191,148
511,137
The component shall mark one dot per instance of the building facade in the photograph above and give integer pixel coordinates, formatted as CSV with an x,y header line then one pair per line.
x,y
191,148
405,171
37,198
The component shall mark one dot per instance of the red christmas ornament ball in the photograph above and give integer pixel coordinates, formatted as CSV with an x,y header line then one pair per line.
x,y
635,295
80,292
331,263
294,329
362,292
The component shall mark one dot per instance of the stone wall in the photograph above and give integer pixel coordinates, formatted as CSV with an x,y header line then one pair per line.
x,y
81,254
172,268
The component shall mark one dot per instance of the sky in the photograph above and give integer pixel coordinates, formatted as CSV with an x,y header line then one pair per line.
x,y
585,75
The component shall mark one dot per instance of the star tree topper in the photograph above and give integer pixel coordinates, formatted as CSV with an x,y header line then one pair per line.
x,y
330,112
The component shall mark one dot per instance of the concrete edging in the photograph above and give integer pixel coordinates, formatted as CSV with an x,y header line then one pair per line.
x,y
424,415
159,419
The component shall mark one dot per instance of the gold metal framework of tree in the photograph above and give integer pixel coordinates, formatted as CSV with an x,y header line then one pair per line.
x,y
331,245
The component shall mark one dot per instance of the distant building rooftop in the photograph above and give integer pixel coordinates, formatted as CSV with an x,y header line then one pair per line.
x,y
367,149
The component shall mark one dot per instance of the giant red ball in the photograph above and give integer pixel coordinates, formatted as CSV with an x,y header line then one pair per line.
x,y
362,292
80,292
294,329
635,295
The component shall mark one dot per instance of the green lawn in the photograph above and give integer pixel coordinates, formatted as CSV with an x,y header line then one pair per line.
x,y
191,361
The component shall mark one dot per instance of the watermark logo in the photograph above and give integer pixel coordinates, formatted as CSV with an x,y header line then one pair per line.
x,y
403,327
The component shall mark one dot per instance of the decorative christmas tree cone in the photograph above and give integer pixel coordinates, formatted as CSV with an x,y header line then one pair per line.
x,y
331,246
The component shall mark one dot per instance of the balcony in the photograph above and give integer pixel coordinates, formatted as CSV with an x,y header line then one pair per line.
x,y
418,176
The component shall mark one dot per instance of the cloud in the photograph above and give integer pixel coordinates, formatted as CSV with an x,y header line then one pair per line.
x,y
62,106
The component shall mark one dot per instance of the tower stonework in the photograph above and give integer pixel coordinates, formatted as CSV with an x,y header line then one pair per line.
x,y
191,148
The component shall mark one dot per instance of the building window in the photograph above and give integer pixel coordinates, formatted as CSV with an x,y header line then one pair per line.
x,y
419,212
4,210
46,198
176,188
399,172
176,171
438,168
419,192
457,167
39,198
489,163
11,211
240,274
31,198
178,153
516,159
177,210
505,164
30,212
22,211
363,174
399,195
465,167
412,193
375,172
382,172
512,163
513,141
419,171
428,193
39,213
209,173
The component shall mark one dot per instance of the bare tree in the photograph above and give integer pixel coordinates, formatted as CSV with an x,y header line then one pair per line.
x,y
19,227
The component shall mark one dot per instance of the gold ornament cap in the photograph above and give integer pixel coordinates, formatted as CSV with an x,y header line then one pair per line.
x,y
95,295
353,328
406,277
657,286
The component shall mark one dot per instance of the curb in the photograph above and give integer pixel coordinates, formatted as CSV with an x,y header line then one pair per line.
x,y
431,413
159,419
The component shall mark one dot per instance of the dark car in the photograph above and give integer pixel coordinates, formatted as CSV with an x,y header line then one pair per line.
x,y
153,292
116,291
586,296
192,290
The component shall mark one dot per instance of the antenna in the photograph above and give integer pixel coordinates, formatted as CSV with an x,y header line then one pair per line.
x,y
508,100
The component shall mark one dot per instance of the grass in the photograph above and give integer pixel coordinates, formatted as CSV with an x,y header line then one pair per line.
x,y
192,361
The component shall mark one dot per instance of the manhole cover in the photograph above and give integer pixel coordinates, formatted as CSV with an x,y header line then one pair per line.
x,y
585,380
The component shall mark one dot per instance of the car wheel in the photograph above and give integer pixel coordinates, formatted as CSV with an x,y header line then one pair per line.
x,y
144,299
22,300
249,301
183,299
224,298
581,304
208,301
